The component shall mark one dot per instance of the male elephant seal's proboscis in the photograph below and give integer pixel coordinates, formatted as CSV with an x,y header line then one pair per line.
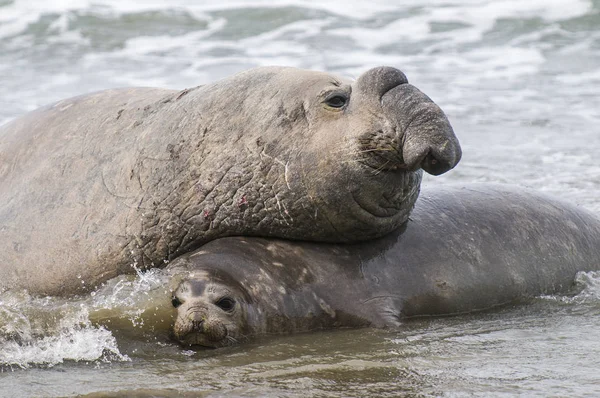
x,y
463,250
95,184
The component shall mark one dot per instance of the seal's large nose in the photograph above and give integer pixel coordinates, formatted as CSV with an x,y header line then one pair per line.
x,y
380,80
424,133
428,140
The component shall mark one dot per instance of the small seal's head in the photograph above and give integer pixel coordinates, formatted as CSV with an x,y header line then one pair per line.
x,y
211,309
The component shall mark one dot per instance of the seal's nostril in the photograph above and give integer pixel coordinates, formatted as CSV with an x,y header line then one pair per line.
x,y
435,166
198,325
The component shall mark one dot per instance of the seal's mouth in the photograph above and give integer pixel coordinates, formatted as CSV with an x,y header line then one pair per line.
x,y
196,329
380,152
200,341
388,188
397,202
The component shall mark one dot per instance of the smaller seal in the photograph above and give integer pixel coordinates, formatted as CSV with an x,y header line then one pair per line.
x,y
215,310
465,249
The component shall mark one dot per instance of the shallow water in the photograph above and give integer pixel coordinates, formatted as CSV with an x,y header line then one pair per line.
x,y
518,80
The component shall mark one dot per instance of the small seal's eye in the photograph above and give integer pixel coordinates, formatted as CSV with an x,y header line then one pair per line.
x,y
226,304
337,101
176,302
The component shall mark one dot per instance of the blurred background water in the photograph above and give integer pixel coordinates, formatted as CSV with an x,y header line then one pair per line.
x,y
520,82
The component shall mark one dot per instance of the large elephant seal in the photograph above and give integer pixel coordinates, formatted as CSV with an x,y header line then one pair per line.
x,y
94,185
463,250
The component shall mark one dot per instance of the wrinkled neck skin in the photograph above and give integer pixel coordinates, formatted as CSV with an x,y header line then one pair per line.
x,y
290,167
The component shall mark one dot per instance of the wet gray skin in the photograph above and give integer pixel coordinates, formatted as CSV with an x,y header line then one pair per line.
x,y
94,185
464,249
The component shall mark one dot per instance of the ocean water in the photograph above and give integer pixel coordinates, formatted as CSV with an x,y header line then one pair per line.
x,y
520,82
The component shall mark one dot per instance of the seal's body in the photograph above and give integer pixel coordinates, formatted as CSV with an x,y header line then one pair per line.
x,y
463,250
93,186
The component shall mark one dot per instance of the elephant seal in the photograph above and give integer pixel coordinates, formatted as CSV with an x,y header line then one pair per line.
x,y
93,186
464,249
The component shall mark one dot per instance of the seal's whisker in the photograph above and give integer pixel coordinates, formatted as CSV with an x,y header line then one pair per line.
x,y
351,161
354,151
376,171
232,340
380,169
377,149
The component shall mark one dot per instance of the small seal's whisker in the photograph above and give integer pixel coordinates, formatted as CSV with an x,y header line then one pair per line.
x,y
232,340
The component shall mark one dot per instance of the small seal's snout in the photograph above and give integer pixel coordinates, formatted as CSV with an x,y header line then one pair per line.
x,y
198,325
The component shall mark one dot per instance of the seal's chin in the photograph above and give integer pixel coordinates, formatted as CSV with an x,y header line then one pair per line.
x,y
398,191
200,340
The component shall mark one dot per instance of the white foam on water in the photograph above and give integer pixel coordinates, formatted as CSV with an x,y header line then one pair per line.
x,y
483,13
581,78
478,16
74,343
16,17
349,8
475,19
48,331
355,9
262,48
200,56
503,62
144,45
589,283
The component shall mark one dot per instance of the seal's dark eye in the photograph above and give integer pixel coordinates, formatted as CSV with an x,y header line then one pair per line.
x,y
226,304
176,302
336,101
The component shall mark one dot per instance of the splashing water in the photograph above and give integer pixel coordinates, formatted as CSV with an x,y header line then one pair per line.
x,y
50,331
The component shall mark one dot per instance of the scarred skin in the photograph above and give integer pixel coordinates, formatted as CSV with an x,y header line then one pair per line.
x,y
93,186
464,249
